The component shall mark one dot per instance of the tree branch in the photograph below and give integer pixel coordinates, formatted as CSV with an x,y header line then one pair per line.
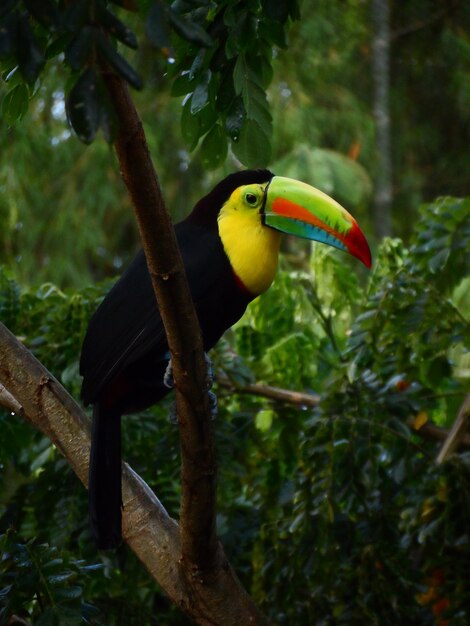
x,y
457,433
419,24
198,463
147,527
298,398
9,402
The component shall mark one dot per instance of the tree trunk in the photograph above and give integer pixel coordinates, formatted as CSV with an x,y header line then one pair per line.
x,y
147,528
381,109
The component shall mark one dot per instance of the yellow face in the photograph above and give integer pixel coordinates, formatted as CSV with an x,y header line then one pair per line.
x,y
252,248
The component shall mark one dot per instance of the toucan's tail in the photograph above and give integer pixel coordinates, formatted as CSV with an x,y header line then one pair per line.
x,y
104,486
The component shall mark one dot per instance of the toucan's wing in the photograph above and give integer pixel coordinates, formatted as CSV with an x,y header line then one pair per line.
x,y
127,325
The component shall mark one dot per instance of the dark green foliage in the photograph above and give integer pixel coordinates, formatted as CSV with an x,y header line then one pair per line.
x,y
41,584
365,515
221,60
226,82
332,516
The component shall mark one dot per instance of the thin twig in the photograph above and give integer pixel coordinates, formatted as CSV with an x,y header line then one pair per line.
x,y
301,399
296,398
9,402
418,25
457,433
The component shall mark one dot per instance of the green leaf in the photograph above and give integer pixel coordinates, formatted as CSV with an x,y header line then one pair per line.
x,y
15,103
8,34
256,106
201,93
75,15
243,34
264,420
226,92
190,31
118,62
214,148
189,126
45,12
30,57
68,593
49,617
58,46
57,579
253,148
117,29
182,85
197,64
274,33
264,70
240,74
207,118
235,119
157,27
80,48
278,10
438,261
82,106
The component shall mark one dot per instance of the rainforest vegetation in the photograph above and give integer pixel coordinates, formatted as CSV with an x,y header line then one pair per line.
x,y
343,476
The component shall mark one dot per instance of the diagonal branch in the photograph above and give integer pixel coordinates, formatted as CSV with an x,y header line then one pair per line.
x,y
457,433
198,464
311,400
147,527
297,398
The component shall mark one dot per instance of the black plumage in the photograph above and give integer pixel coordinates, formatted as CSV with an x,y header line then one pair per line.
x,y
125,352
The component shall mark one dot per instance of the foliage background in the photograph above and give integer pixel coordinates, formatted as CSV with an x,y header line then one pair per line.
x,y
331,516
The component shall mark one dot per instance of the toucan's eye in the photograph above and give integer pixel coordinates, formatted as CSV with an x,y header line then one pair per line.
x,y
251,199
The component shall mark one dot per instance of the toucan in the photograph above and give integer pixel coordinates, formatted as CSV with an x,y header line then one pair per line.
x,y
230,246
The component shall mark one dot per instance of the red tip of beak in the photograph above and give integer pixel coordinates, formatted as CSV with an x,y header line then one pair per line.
x,y
358,246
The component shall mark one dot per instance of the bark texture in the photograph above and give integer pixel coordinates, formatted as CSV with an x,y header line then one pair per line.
x,y
458,433
198,465
381,107
148,529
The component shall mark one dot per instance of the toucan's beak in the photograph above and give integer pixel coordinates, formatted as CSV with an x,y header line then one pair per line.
x,y
298,209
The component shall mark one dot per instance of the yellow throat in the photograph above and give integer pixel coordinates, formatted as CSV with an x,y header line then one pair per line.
x,y
252,249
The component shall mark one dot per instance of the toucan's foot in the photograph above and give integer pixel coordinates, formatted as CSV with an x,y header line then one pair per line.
x,y
209,383
210,372
169,382
168,379
213,405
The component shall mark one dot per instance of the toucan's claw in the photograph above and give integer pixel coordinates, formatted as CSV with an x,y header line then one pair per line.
x,y
168,379
209,372
213,405
169,382
210,382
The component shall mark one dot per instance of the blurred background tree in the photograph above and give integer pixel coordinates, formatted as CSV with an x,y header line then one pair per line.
x,y
321,99
333,515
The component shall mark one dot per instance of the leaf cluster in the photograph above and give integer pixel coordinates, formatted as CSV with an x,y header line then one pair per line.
x,y
364,518
41,584
221,61
336,515
225,84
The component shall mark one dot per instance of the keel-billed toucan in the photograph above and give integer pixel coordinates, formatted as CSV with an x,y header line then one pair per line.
x,y
230,245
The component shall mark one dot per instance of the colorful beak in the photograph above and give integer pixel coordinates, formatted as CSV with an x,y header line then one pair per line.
x,y
298,209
